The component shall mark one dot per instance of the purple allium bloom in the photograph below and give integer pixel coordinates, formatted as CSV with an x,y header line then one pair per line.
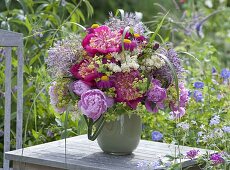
x,y
216,159
198,85
50,133
225,73
54,98
214,120
93,103
226,129
165,72
1,133
198,96
192,153
130,19
63,54
157,136
80,87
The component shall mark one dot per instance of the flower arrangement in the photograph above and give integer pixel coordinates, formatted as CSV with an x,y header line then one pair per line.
x,y
116,68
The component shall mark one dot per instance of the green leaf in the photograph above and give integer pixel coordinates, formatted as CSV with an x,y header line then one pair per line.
x,y
35,134
7,3
121,11
157,29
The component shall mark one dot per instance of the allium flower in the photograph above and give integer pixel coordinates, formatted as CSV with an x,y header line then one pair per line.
x,y
85,70
62,56
226,129
54,98
102,40
192,154
80,87
157,136
198,85
105,82
130,19
216,159
198,96
125,89
93,104
215,120
165,73
225,73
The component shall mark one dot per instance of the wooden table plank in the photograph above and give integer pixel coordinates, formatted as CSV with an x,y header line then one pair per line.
x,y
84,154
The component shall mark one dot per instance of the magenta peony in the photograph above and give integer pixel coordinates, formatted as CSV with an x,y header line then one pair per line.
x,y
93,103
85,70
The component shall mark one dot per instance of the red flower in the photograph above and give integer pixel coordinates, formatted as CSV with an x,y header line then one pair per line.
x,y
85,70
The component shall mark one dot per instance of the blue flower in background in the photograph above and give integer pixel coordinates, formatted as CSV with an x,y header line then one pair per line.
x,y
226,129
198,85
213,70
198,96
225,73
157,136
215,120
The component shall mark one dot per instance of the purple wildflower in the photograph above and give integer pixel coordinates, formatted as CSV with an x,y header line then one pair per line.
x,y
198,85
216,159
198,96
214,120
214,70
192,153
176,114
50,133
225,73
80,87
157,136
226,129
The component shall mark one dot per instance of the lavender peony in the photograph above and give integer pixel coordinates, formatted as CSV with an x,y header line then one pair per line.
x,y
80,87
93,103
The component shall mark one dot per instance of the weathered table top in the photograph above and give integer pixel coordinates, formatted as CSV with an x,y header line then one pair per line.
x,y
84,154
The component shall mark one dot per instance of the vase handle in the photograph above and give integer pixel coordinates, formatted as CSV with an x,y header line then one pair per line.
x,y
100,123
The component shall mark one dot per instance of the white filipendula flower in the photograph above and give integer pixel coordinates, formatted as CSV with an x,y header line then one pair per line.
x,y
114,67
63,54
130,63
152,63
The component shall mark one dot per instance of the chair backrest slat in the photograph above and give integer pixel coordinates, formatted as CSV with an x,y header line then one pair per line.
x,y
19,98
7,104
8,40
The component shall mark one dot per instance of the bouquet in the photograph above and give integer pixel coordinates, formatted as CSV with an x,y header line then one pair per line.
x,y
116,68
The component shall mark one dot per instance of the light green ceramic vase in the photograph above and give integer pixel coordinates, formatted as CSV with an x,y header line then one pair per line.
x,y
122,136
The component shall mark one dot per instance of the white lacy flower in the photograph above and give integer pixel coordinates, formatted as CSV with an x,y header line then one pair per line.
x,y
115,68
154,62
130,63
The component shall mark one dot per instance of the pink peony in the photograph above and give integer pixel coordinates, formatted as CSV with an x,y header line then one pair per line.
x,y
85,70
102,40
80,87
93,104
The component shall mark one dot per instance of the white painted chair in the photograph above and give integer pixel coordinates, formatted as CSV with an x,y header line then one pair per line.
x,y
8,40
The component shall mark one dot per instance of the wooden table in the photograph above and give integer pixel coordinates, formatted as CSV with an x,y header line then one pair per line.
x,y
83,154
